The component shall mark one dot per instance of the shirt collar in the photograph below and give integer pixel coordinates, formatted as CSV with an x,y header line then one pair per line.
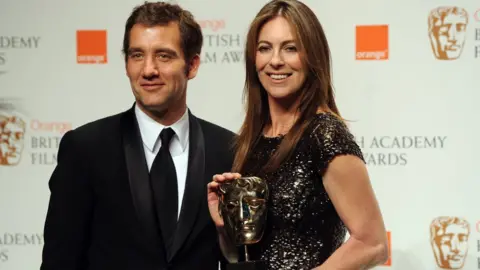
x,y
150,129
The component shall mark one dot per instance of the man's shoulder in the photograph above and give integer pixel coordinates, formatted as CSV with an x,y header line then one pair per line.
x,y
213,129
106,127
219,142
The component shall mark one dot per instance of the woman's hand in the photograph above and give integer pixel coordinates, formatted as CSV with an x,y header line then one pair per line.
x,y
213,195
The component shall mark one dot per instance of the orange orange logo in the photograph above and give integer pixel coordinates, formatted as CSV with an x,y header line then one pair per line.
x,y
92,46
371,42
389,239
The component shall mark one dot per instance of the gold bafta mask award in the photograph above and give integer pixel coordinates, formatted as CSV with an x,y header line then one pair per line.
x,y
243,207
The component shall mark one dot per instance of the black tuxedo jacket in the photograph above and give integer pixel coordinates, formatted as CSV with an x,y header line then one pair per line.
x,y
100,215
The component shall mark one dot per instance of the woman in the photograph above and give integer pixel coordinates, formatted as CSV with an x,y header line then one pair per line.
x,y
293,136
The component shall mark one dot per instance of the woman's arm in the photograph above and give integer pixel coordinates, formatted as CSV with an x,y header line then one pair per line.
x,y
348,185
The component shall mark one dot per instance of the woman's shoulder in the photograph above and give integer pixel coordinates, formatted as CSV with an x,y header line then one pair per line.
x,y
331,137
329,124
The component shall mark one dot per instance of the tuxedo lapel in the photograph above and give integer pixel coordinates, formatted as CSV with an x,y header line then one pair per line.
x,y
138,175
195,187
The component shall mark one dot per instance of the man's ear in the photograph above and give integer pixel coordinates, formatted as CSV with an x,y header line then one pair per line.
x,y
193,66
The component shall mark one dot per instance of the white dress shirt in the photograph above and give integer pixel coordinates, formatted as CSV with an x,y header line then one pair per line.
x,y
179,145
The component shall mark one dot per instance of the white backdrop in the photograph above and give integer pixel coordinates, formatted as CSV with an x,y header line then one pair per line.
x,y
414,115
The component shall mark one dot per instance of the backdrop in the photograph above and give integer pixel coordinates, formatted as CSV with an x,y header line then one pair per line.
x,y
406,75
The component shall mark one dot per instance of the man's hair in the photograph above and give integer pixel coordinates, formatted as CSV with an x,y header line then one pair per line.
x,y
162,13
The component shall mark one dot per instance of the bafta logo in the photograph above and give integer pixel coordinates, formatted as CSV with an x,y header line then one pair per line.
x,y
12,132
449,241
447,29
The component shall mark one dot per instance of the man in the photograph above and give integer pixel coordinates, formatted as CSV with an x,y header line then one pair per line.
x,y
117,204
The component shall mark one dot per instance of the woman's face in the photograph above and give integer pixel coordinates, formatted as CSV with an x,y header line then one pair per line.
x,y
278,60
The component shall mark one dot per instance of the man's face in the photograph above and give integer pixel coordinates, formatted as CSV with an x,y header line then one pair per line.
x,y
449,36
12,133
243,208
451,246
156,67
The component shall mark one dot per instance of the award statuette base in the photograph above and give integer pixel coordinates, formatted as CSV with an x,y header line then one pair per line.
x,y
246,264
250,265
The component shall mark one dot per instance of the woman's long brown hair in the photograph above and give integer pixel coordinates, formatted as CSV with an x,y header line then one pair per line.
x,y
316,93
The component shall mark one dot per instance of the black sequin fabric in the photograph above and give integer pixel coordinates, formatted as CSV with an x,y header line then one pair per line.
x,y
303,229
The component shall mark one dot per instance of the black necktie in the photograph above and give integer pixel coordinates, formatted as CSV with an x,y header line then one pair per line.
x,y
163,177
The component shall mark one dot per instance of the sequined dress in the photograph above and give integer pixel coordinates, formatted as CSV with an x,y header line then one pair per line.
x,y
303,229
